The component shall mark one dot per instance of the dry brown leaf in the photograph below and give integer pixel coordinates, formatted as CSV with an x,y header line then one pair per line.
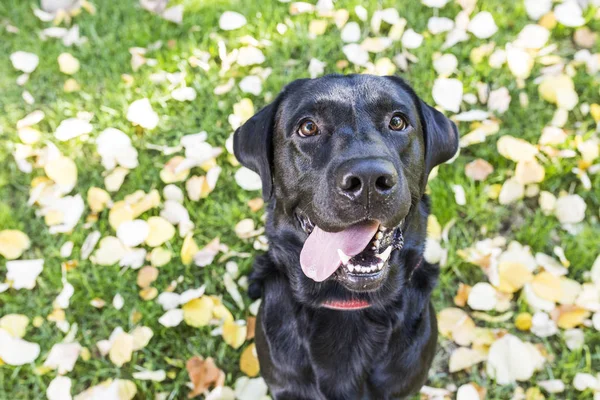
x,y
146,276
478,170
204,374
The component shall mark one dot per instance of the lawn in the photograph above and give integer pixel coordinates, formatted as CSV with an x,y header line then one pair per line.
x,y
190,54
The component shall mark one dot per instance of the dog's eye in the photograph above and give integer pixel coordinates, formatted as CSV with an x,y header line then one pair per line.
x,y
398,123
308,128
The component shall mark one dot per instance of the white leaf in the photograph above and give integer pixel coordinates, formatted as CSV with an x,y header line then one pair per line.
x,y
118,301
63,298
184,94
552,385
251,84
447,93
16,351
467,392
140,113
250,389
574,339
231,20
356,54
250,55
542,326
115,148
59,389
351,32
63,357
584,381
316,68
156,376
533,36
248,179
133,233
71,128
445,65
23,273
24,61
569,13
437,25
511,360
169,300
435,3
482,297
482,25
570,209
171,318
537,8
412,39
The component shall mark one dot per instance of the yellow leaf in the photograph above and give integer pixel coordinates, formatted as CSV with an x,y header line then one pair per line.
x,y
121,350
119,213
547,286
160,256
456,324
221,312
67,64
161,231
15,324
169,173
234,334
571,317
198,312
97,199
13,243
188,249
63,171
595,112
249,361
141,337
513,276
149,293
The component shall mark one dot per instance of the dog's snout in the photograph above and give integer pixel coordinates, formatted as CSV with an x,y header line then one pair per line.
x,y
364,178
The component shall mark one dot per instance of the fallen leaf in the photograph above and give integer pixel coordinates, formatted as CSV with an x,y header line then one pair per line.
x,y
204,374
24,61
16,351
231,20
23,273
59,388
447,93
511,360
63,357
547,286
140,113
482,25
121,349
198,312
249,361
67,64
161,231
464,358
14,324
455,324
570,209
13,243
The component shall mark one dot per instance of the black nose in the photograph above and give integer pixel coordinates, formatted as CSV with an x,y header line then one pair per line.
x,y
366,179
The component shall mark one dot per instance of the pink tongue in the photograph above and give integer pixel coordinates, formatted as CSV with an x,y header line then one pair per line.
x,y
319,257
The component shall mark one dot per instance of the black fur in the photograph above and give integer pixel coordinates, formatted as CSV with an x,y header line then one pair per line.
x,y
307,351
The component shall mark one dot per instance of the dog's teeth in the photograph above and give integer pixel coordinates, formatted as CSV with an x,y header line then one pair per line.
x,y
380,265
344,258
350,267
385,254
376,243
382,228
379,235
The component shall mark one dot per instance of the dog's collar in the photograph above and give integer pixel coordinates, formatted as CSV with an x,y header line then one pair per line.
x,y
347,305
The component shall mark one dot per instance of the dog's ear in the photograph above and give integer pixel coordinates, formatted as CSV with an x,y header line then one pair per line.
x,y
441,136
253,145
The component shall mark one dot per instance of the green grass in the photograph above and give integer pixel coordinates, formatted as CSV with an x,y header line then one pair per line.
x,y
119,25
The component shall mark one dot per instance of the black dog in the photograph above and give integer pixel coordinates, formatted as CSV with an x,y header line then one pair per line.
x,y
344,162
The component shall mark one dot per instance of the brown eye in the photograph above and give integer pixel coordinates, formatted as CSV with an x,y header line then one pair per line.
x,y
398,123
308,128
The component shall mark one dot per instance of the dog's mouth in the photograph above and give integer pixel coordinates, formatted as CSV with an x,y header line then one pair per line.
x,y
357,256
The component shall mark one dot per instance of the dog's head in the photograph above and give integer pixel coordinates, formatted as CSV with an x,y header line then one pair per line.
x,y
344,162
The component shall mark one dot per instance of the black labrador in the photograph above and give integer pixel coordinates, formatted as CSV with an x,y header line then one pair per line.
x,y
346,310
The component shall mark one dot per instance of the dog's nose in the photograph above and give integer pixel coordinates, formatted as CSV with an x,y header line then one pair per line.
x,y
366,179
